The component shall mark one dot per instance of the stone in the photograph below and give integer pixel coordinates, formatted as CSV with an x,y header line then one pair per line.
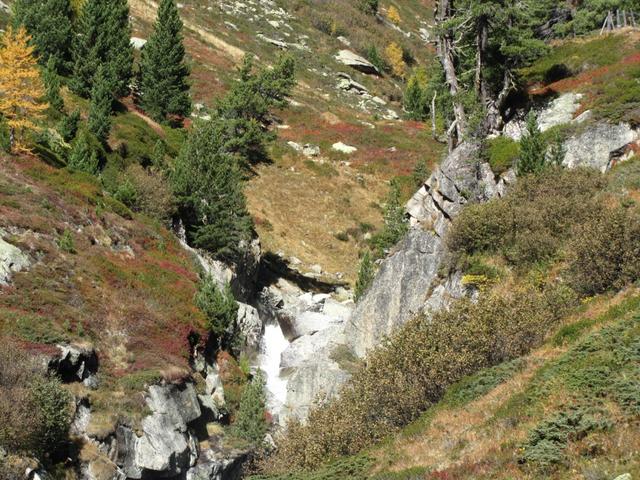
x,y
345,82
306,323
214,465
624,476
344,40
340,311
311,150
344,148
296,146
597,146
162,448
213,385
560,111
11,260
138,43
250,325
316,269
179,403
75,363
4,7
355,61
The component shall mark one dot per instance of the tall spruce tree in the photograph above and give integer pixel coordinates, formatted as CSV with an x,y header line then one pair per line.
x,y
49,24
101,105
532,149
104,37
164,88
51,82
208,185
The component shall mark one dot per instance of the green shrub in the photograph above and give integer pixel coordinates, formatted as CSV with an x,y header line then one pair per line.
x,y
65,242
546,443
370,7
366,274
501,153
85,154
606,251
412,370
68,126
395,222
534,221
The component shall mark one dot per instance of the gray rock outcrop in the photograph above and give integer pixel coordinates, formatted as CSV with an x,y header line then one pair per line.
x,y
355,61
166,447
409,282
75,363
250,325
11,260
599,146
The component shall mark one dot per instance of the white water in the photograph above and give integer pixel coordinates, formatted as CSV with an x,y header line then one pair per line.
x,y
273,344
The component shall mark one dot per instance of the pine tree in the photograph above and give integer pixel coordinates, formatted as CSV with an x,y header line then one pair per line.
x,y
68,126
420,172
103,39
49,24
20,87
52,85
395,222
119,54
219,306
158,156
532,149
100,109
208,185
251,423
366,274
163,72
414,100
84,155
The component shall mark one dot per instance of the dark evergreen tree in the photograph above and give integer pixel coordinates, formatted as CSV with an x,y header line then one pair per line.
x,y
219,306
68,126
251,422
164,89
84,155
532,149
208,185
99,122
49,24
103,39
243,114
395,222
51,82
414,100
119,54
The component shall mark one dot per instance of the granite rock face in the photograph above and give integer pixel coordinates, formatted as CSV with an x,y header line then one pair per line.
x,y
11,260
409,281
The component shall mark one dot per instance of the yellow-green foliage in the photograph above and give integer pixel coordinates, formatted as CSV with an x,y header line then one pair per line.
x,y
393,54
413,369
502,153
533,222
394,15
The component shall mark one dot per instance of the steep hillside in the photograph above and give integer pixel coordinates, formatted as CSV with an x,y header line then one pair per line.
x,y
334,192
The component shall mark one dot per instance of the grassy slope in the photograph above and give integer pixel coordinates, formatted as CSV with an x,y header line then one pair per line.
x,y
299,206
111,290
483,426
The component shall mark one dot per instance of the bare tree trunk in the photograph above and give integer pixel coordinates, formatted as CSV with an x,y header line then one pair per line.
x,y
445,52
12,138
482,43
433,114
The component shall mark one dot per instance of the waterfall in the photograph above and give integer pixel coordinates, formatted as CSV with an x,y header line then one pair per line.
x,y
273,344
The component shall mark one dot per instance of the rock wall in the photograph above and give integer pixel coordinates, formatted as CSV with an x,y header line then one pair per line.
x,y
410,281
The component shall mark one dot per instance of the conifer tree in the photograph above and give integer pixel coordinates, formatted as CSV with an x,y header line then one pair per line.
x,y
84,154
251,423
532,149
163,72
219,306
52,85
100,109
103,39
21,87
49,24
208,185
68,126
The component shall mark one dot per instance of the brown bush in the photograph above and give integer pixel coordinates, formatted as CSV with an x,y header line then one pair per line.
x,y
153,195
534,221
413,368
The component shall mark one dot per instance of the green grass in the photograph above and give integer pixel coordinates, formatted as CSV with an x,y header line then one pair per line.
x,y
352,468
572,56
501,153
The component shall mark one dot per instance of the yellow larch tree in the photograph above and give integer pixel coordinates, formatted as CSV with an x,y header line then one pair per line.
x,y
393,15
394,56
21,88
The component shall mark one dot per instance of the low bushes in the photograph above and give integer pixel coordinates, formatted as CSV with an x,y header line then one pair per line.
x,y
412,370
34,409
533,222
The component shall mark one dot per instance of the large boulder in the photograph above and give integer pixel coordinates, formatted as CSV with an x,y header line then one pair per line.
x,y
214,465
599,146
166,447
11,260
355,61
250,325
559,111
